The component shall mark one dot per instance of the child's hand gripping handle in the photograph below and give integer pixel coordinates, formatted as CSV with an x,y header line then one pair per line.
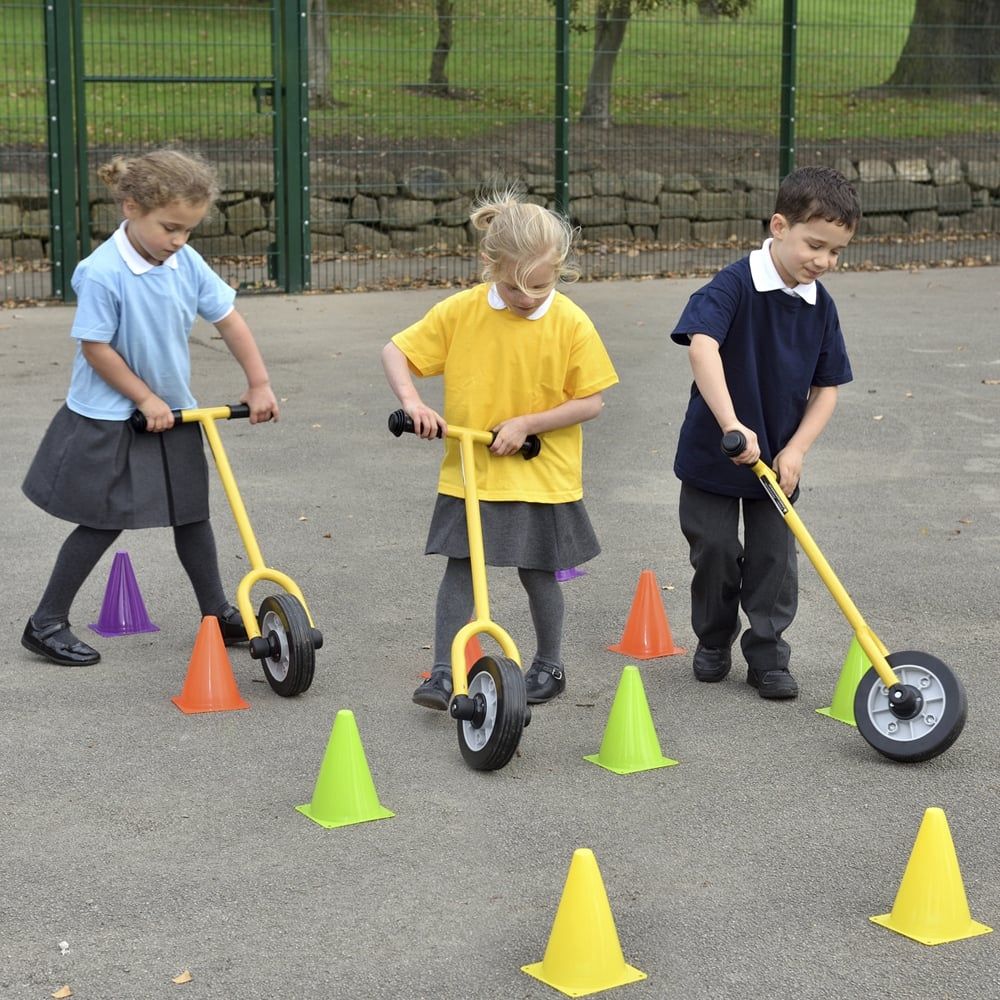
x,y
733,443
236,411
399,423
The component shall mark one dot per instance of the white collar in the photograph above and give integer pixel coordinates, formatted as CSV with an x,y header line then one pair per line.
x,y
766,278
137,264
493,297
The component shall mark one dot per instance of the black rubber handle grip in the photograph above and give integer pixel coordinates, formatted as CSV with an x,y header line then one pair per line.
x,y
733,443
237,411
400,422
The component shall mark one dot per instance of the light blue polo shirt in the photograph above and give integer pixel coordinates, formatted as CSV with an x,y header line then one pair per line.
x,y
145,312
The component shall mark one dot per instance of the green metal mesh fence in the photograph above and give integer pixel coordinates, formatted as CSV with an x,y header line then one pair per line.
x,y
661,128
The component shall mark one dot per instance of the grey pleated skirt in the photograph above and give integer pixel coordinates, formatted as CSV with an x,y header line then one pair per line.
x,y
103,474
530,535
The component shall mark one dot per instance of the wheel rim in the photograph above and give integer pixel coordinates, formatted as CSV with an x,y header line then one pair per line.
x,y
277,665
889,725
476,737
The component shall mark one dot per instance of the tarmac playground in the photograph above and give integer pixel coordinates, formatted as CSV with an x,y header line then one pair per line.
x,y
150,853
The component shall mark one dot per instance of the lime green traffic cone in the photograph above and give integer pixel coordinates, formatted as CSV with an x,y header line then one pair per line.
x,y
344,793
630,742
856,665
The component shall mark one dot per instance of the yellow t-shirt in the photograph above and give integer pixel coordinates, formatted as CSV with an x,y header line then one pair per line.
x,y
497,365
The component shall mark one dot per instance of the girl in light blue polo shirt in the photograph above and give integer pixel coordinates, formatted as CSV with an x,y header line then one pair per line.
x,y
138,296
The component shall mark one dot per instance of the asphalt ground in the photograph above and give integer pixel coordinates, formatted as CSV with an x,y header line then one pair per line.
x,y
149,842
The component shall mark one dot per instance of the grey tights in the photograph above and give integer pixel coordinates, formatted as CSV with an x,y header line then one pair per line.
x,y
80,553
455,607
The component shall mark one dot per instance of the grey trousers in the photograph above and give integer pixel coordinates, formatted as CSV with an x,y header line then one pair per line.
x,y
760,573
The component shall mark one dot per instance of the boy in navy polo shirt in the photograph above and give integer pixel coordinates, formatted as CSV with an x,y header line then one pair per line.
x,y
767,353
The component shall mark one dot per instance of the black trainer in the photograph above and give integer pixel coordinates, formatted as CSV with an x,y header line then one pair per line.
x,y
711,665
231,626
434,691
773,683
543,683
67,651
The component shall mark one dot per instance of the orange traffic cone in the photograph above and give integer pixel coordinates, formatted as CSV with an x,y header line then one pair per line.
x,y
473,652
647,631
210,685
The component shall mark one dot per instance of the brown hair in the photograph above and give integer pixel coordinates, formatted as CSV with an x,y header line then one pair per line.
x,y
818,193
159,177
518,236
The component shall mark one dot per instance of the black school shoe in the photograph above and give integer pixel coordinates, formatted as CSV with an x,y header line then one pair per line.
x,y
434,691
68,654
543,683
712,665
773,683
231,626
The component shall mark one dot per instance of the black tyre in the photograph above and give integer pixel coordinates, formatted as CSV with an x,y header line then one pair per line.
x,y
932,729
488,741
292,660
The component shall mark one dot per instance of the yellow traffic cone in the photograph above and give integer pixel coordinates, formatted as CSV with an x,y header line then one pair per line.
x,y
345,792
630,742
930,905
583,955
856,665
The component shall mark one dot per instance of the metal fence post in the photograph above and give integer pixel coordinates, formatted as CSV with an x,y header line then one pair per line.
x,y
63,251
789,37
562,108
291,155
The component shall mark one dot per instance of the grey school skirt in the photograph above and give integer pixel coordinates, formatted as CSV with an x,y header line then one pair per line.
x,y
547,536
103,474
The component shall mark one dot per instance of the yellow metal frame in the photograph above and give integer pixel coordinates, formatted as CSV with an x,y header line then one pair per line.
x,y
207,416
482,624
874,649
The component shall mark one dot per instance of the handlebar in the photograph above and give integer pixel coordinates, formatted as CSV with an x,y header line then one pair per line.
x,y
400,422
237,411
733,442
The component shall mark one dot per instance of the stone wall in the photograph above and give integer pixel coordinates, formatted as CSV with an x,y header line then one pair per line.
x,y
426,207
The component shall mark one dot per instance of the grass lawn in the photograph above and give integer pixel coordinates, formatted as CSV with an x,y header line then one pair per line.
x,y
675,70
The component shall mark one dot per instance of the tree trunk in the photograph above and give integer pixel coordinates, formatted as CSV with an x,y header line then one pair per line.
x,y
319,56
610,22
953,44
437,80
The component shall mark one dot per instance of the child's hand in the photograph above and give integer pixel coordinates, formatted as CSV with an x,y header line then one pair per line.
x,y
751,452
262,402
427,423
510,435
788,468
157,413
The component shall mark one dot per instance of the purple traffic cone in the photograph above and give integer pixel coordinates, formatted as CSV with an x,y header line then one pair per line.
x,y
123,611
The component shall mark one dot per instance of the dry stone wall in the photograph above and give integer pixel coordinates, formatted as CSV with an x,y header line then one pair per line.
x,y
426,207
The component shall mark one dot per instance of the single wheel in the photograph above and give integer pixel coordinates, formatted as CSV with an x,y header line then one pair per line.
x,y
291,657
496,687
929,725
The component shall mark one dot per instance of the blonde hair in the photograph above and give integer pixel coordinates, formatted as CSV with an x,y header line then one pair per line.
x,y
518,236
160,177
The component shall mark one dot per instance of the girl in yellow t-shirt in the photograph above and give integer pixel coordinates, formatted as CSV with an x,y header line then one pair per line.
x,y
518,358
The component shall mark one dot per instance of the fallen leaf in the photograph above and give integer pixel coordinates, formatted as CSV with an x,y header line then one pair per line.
x,y
878,416
328,535
184,977
61,994
303,518
909,395
991,381
965,520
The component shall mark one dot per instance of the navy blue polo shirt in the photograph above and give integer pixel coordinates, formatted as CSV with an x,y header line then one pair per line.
x,y
774,347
